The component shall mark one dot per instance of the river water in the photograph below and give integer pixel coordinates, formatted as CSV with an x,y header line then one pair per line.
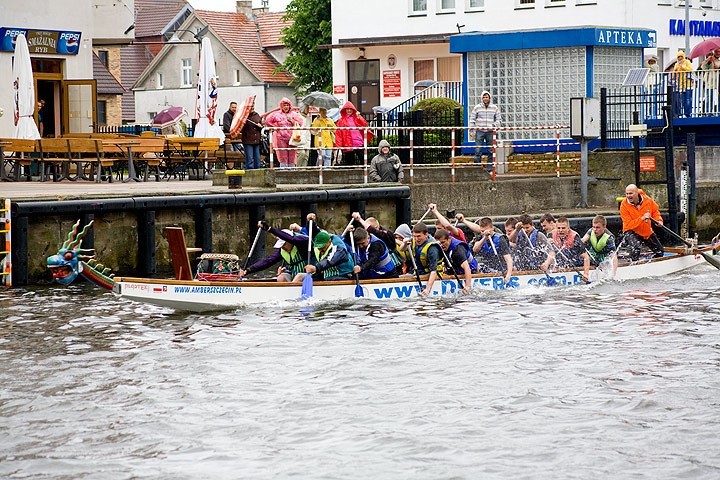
x,y
613,380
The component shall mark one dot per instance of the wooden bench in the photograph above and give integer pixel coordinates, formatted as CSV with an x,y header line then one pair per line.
x,y
16,154
150,154
191,153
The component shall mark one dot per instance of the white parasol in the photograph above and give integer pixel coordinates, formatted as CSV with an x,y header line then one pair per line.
x,y
207,126
23,83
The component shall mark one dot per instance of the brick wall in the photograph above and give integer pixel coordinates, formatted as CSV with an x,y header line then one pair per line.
x,y
544,163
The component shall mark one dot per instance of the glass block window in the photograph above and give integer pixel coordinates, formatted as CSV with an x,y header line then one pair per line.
x,y
611,65
531,87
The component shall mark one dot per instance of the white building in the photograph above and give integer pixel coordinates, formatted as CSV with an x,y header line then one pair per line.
x,y
61,36
382,48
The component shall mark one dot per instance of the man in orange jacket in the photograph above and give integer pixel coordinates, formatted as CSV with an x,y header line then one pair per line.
x,y
636,211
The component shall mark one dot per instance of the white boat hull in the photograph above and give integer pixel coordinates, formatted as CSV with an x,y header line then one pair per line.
x,y
200,296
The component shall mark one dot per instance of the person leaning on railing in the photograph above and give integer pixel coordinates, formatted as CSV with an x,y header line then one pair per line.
x,y
683,85
711,69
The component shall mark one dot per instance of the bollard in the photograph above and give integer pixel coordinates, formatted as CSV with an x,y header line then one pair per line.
x,y
235,179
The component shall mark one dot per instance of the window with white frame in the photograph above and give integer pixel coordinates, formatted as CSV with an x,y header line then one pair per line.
x,y
186,73
418,6
524,3
474,5
159,80
445,6
585,2
236,77
554,3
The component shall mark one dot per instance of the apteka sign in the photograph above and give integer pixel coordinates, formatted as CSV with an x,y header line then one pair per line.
x,y
625,38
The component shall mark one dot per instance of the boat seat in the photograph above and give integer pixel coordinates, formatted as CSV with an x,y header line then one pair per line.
x,y
180,253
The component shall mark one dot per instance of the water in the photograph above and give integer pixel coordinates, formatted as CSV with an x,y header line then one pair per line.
x,y
604,381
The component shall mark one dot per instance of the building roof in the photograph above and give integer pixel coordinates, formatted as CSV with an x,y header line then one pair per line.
x,y
243,37
388,41
152,16
107,84
134,59
271,25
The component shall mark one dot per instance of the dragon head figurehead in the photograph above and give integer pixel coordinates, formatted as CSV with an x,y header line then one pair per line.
x,y
68,263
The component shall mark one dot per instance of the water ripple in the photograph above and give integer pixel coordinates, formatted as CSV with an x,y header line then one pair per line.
x,y
609,380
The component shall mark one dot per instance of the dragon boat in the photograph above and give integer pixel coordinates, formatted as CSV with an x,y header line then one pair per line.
x,y
216,287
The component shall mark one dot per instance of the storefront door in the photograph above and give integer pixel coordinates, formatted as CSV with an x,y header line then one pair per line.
x,y
364,84
79,102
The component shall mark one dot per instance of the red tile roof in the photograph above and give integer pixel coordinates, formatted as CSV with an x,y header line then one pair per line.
x,y
271,25
241,35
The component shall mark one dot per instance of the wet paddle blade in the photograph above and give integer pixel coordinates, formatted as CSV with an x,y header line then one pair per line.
x,y
307,287
712,260
358,289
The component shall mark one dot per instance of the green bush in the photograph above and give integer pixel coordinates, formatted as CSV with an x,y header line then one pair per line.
x,y
438,112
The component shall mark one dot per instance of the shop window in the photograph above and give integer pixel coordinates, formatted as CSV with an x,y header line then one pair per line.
x,y
423,70
186,72
449,69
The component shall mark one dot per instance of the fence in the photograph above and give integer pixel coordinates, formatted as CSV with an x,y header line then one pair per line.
x,y
692,95
417,151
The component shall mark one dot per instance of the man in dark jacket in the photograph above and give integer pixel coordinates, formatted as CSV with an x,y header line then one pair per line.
x,y
227,122
386,166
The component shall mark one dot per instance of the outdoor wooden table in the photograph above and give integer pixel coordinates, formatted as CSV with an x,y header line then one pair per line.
x,y
126,144
3,174
186,145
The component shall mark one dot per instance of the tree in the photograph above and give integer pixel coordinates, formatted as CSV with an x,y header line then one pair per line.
x,y
310,27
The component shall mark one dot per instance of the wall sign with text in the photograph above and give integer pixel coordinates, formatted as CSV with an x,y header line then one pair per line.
x,y
391,83
61,42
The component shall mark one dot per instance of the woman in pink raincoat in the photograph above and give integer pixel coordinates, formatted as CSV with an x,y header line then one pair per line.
x,y
284,117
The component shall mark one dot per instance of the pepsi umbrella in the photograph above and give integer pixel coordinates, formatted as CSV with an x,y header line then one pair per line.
x,y
169,117
321,100
207,126
23,84
705,47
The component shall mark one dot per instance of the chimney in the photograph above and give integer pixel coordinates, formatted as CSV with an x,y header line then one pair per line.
x,y
244,7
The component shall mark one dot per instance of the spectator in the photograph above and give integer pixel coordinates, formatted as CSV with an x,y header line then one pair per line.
x,y
325,137
284,117
385,166
251,140
227,123
683,85
303,145
710,68
41,117
483,121
351,141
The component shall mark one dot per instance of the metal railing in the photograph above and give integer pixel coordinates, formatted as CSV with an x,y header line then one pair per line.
x,y
452,90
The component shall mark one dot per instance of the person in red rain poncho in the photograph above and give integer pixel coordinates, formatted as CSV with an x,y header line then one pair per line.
x,y
351,141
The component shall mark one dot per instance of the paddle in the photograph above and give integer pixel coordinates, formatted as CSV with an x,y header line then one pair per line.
x,y
708,258
307,285
252,248
423,217
358,288
587,281
551,282
452,267
415,269
347,228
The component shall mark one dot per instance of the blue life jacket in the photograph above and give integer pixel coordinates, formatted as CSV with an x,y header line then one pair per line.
x,y
384,266
454,242
487,250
